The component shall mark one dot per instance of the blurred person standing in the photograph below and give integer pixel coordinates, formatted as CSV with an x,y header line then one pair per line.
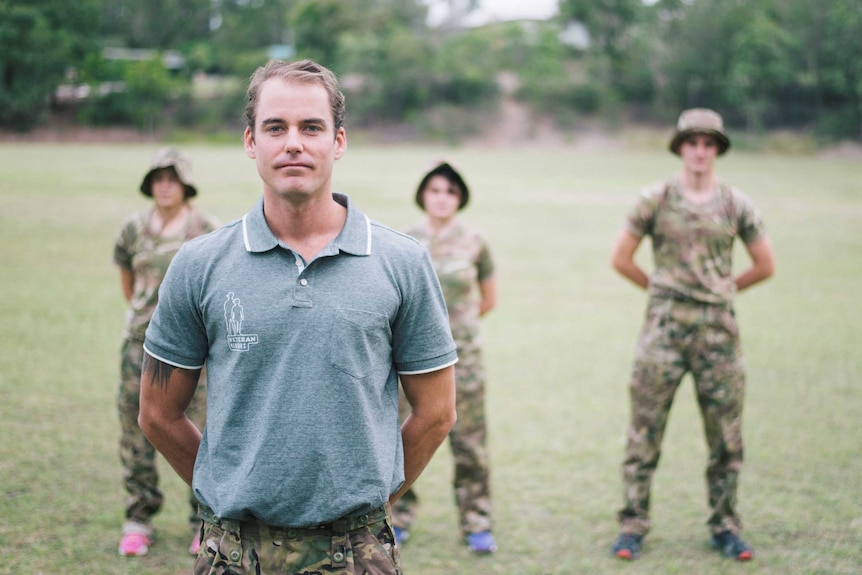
x,y
144,248
690,326
462,260
306,313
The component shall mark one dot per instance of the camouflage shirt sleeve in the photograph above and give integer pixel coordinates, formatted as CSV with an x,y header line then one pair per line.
x,y
484,261
124,244
641,219
750,226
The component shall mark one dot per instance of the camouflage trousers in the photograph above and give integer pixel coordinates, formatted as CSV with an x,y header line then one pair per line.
x,y
137,455
679,338
360,544
468,441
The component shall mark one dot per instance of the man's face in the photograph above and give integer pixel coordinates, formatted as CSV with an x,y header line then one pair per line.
x,y
440,198
168,191
698,153
294,142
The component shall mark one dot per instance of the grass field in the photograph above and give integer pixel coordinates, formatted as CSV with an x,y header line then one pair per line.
x,y
558,347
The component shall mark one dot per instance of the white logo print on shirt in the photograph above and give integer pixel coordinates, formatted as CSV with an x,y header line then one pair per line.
x,y
233,317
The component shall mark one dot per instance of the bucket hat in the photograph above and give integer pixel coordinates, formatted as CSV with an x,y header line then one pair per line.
x,y
446,170
699,121
170,158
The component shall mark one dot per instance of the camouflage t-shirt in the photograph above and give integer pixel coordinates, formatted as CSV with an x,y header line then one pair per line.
x,y
461,259
147,255
693,244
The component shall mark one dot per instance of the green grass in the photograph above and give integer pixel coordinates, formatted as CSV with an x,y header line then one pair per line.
x,y
558,349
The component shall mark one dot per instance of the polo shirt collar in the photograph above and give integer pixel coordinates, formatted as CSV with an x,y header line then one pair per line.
x,y
354,238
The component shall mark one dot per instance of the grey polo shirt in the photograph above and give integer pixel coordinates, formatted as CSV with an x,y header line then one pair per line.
x,y
302,363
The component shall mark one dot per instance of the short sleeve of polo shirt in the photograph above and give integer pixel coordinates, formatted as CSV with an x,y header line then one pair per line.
x,y
421,337
176,334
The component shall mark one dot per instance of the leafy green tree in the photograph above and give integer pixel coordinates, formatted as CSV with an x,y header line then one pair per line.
x,y
386,57
696,59
244,30
156,24
39,42
610,24
317,27
839,61
141,96
761,56
464,68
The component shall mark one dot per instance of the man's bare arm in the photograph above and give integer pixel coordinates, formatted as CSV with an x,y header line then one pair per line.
x,y
623,258
432,399
166,392
487,295
762,264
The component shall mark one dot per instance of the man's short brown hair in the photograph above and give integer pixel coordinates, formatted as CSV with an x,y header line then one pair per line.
x,y
298,71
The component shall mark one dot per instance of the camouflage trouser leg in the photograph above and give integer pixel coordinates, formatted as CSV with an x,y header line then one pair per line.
x,y
468,441
361,545
137,455
719,374
676,338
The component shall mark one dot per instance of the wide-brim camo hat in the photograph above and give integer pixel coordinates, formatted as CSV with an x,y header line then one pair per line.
x,y
700,121
446,170
171,158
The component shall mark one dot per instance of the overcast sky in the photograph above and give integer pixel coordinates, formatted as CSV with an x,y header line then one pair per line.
x,y
497,10
515,9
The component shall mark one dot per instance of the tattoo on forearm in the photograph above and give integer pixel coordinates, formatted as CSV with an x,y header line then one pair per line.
x,y
159,372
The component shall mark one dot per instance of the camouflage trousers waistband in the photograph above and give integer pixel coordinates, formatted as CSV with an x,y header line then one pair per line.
x,y
671,296
255,528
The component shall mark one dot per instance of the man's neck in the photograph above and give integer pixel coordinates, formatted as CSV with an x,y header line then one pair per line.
x,y
697,182
437,225
306,227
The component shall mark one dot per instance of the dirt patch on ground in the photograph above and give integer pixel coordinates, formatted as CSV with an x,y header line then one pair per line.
x,y
79,134
843,151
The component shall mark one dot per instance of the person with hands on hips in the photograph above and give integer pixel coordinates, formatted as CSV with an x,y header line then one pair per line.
x,y
298,310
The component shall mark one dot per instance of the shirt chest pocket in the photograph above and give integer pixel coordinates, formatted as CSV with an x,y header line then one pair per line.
x,y
360,341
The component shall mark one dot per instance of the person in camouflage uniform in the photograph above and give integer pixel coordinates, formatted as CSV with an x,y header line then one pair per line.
x,y
144,247
465,269
690,326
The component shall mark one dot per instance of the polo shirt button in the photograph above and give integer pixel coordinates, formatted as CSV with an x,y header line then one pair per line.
x,y
235,555
303,282
291,533
338,556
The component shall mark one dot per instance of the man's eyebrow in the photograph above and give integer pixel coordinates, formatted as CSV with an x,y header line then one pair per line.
x,y
306,121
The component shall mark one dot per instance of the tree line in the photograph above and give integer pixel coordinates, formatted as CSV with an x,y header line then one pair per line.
x,y
765,64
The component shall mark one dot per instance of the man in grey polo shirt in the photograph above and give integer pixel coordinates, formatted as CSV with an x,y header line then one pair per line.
x,y
306,314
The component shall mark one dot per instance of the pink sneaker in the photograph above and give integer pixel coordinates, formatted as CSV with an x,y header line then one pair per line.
x,y
196,544
136,539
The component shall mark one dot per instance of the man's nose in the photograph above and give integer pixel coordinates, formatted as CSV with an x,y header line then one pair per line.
x,y
292,141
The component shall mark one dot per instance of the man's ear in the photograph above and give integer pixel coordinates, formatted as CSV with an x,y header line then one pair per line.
x,y
248,143
340,143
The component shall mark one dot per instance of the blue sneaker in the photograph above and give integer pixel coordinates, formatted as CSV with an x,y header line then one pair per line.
x,y
627,546
731,545
481,542
401,535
